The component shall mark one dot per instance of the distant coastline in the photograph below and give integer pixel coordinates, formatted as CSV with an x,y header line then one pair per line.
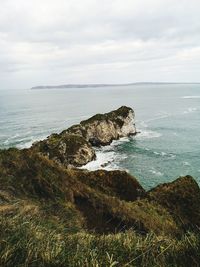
x,y
66,86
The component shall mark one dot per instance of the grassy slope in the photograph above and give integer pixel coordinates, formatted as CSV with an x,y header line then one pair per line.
x,y
51,216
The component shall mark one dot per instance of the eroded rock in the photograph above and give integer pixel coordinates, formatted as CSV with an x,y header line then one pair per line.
x,y
68,150
73,147
102,129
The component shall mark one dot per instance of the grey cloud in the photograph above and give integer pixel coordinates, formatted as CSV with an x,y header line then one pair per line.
x,y
98,41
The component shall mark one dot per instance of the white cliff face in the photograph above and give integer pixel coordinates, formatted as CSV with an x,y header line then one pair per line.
x,y
83,155
128,127
102,129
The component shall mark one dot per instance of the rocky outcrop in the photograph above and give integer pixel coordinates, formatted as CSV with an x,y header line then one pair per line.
x,y
68,150
102,129
73,147
181,198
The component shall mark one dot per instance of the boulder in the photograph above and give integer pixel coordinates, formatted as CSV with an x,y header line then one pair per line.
x,y
102,129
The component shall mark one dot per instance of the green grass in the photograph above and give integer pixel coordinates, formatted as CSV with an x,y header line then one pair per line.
x,y
27,241
53,216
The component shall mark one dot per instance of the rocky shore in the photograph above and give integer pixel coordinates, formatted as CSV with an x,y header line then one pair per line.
x,y
51,212
74,146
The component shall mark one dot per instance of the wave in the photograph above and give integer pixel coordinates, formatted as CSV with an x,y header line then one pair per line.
x,y
190,110
186,163
147,134
155,172
27,142
160,116
164,154
191,97
107,157
105,160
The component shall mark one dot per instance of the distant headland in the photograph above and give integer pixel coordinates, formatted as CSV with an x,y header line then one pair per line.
x,y
65,86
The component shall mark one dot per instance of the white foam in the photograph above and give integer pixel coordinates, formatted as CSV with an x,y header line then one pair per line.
x,y
106,157
160,153
191,97
103,160
28,143
160,116
164,154
190,110
157,173
147,134
185,163
9,139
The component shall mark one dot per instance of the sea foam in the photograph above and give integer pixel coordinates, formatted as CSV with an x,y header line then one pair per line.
x,y
147,134
191,96
190,110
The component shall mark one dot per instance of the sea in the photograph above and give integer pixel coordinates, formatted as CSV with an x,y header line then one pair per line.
x,y
167,119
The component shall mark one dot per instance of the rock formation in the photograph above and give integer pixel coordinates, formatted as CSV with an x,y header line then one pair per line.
x,y
68,150
73,147
102,129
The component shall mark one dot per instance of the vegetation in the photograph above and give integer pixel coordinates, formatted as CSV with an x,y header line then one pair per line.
x,y
31,242
112,116
53,216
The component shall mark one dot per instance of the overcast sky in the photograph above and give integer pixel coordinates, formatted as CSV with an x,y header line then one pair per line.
x,y
106,41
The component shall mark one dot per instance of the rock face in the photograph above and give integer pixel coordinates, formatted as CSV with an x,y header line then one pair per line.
x,y
68,150
102,129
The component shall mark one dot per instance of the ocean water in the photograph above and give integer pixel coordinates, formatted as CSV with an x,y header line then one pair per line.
x,y
167,116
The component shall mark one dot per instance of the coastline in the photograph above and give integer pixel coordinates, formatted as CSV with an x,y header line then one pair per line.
x,y
47,201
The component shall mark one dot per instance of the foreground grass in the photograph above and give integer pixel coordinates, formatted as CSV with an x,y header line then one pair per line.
x,y
29,241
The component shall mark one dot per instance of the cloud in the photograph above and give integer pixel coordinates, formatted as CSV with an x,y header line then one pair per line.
x,y
43,42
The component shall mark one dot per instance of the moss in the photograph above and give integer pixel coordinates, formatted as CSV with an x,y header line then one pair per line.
x,y
113,116
97,117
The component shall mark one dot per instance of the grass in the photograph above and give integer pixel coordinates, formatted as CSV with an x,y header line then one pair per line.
x,y
53,216
27,241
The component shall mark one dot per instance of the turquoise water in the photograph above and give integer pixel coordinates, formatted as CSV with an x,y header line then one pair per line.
x,y
168,117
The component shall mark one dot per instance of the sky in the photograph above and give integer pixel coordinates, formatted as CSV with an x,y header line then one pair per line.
x,y
52,42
